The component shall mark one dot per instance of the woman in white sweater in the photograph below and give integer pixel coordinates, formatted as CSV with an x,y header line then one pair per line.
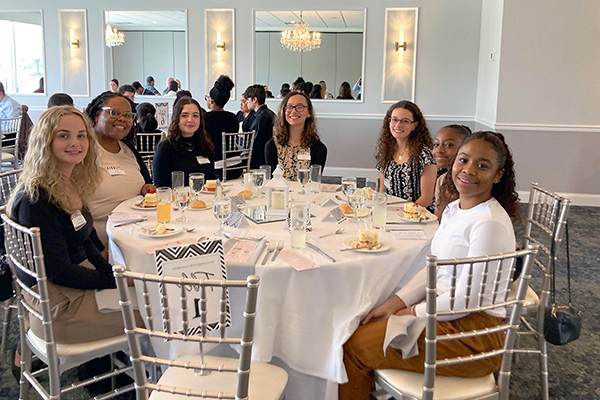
x,y
476,224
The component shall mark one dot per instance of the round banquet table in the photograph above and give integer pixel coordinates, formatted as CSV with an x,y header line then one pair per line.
x,y
303,317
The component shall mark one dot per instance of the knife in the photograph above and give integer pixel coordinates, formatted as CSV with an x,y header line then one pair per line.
x,y
398,202
318,250
129,222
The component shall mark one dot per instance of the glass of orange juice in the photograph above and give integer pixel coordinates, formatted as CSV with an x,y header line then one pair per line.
x,y
163,205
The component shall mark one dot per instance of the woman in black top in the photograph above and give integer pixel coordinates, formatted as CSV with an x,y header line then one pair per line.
x,y
187,148
147,115
217,120
345,91
60,173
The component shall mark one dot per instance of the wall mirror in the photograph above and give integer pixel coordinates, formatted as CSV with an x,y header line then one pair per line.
x,y
154,43
22,64
339,58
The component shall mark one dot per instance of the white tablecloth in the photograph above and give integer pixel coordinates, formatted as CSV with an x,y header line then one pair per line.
x,y
303,318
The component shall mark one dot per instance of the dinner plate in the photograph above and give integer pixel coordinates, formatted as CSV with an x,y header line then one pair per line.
x,y
361,214
172,230
429,217
204,191
135,206
384,246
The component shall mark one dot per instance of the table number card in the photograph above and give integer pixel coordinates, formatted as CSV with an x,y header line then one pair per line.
x,y
203,260
323,200
162,116
235,219
336,214
238,202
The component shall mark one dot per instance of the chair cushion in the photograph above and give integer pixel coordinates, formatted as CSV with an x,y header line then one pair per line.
x,y
7,157
267,382
532,300
446,387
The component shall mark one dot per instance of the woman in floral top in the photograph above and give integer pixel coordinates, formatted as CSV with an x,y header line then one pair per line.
x,y
296,143
404,156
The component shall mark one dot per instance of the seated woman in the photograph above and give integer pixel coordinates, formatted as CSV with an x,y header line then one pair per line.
x,y
445,145
172,89
476,224
147,118
60,174
245,116
187,148
295,132
345,91
404,158
123,171
217,120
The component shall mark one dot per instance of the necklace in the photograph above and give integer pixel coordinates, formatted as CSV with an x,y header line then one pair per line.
x,y
189,146
401,154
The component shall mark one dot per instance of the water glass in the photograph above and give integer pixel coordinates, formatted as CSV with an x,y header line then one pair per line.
x,y
379,210
267,169
315,178
197,182
258,179
300,214
248,185
348,182
356,200
182,200
176,179
221,209
371,187
164,196
303,177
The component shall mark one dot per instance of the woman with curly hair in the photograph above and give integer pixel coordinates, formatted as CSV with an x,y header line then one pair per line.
x,y
477,224
296,143
404,158
187,148
123,171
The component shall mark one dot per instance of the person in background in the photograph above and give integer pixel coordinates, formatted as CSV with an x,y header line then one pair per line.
x,y
150,86
404,158
315,93
124,173
217,120
345,91
295,131
173,89
326,93
147,118
169,80
301,87
358,87
178,84
187,148
285,89
60,99
269,94
139,89
262,123
129,92
41,88
114,85
296,82
308,88
9,107
245,116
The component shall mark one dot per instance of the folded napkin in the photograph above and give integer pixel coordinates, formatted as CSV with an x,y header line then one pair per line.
x,y
122,218
231,161
242,252
108,300
402,333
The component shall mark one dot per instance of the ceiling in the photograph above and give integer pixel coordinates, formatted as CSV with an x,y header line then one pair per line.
x,y
147,20
322,21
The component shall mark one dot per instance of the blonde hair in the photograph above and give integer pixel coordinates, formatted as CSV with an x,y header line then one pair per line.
x,y
41,169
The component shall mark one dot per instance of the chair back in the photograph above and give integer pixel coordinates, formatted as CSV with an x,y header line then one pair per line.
x,y
8,181
487,289
147,142
188,334
24,251
10,129
237,145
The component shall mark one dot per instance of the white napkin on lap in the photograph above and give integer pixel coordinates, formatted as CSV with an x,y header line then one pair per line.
x,y
402,333
108,300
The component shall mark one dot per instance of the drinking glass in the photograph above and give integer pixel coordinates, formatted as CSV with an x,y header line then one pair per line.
x,y
258,179
196,182
164,197
300,214
347,183
371,187
221,209
379,210
267,168
303,177
356,200
182,200
176,179
315,178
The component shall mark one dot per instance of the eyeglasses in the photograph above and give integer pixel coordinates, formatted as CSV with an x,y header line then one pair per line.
x,y
115,113
403,121
298,107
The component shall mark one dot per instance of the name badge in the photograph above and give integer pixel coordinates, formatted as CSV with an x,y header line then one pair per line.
x,y
202,160
304,156
78,220
115,170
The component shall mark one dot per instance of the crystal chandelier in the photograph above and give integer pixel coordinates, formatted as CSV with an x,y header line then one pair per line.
x,y
300,39
113,37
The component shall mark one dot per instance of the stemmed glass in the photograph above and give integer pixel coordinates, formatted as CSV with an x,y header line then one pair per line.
x,y
258,179
303,176
348,182
182,199
356,200
196,182
221,209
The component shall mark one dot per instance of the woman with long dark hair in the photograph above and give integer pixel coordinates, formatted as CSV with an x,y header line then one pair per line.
x,y
345,91
187,148
147,118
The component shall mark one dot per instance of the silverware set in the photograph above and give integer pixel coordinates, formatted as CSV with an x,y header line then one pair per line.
x,y
274,247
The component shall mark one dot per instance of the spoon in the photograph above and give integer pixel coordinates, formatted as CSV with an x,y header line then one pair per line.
x,y
202,239
270,249
337,232
340,198
185,228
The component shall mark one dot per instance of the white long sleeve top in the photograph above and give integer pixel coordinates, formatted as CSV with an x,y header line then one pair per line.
x,y
485,229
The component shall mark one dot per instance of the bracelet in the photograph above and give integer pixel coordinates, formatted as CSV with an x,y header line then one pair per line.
x,y
412,311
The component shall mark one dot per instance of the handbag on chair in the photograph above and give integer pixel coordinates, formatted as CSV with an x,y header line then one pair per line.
x,y
562,324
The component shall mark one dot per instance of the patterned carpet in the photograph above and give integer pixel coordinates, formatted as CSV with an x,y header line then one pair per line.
x,y
573,368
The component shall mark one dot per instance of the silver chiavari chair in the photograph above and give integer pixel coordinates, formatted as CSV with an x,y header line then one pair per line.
x,y
197,375
24,250
487,289
146,146
10,129
547,214
238,145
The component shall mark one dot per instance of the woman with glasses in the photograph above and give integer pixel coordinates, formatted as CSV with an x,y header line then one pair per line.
x,y
217,120
187,148
296,143
124,173
404,159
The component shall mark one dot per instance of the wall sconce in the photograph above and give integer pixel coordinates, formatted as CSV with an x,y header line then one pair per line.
x,y
73,42
220,46
400,46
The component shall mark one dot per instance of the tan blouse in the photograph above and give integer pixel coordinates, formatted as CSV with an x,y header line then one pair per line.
x,y
291,158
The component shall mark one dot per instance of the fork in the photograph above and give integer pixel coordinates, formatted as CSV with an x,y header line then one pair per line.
x,y
270,249
280,244
151,231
